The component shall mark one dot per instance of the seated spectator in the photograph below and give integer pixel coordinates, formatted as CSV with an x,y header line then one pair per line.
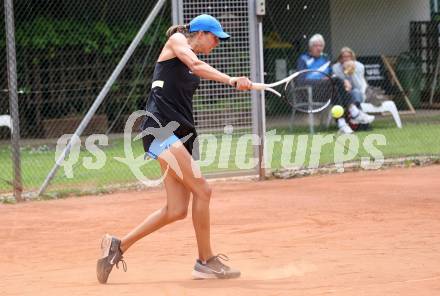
x,y
353,73
315,59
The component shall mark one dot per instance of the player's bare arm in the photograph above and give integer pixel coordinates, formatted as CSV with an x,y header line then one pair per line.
x,y
179,45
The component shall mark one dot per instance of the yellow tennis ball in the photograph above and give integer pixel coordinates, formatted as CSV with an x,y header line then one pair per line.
x,y
337,111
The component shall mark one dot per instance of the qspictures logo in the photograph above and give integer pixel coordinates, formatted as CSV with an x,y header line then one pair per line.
x,y
224,150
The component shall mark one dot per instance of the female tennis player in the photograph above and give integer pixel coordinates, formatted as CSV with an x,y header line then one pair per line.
x,y
176,77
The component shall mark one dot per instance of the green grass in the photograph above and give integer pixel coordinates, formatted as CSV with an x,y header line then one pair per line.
x,y
37,161
413,139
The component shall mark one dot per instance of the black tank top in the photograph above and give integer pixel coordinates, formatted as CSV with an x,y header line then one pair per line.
x,y
170,99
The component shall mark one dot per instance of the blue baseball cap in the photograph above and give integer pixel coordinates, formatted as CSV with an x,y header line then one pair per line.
x,y
207,23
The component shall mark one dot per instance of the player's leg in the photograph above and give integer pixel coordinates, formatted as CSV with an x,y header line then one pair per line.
x,y
175,209
207,266
184,168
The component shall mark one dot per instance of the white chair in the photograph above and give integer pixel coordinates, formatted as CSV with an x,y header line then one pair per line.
x,y
5,120
386,106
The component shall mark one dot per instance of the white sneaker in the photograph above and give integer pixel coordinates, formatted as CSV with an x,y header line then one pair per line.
x,y
363,118
345,129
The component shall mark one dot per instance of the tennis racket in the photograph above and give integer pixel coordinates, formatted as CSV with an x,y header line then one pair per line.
x,y
308,91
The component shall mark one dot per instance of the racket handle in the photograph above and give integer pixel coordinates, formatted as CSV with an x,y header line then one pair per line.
x,y
259,86
263,86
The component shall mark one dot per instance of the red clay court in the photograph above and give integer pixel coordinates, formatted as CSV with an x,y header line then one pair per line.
x,y
362,233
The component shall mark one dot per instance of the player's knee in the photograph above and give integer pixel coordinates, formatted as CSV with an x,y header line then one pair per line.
x,y
204,191
177,214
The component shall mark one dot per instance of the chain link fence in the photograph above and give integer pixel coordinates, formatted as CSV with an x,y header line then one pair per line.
x,y
65,54
66,51
396,41
219,107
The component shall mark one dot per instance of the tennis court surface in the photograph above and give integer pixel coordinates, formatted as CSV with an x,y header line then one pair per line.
x,y
362,233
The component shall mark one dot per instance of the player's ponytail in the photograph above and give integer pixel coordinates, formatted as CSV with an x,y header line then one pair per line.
x,y
184,29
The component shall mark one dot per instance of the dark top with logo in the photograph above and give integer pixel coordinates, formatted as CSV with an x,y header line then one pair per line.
x,y
170,100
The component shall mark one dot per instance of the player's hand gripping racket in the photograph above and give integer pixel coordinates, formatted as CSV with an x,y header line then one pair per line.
x,y
308,91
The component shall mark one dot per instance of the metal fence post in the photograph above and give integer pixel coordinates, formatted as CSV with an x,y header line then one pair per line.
x,y
257,74
176,13
13,98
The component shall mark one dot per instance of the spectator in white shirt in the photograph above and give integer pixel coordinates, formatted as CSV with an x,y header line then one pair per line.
x,y
353,74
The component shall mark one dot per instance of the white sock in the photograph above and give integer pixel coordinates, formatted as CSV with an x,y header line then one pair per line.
x,y
341,122
354,111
